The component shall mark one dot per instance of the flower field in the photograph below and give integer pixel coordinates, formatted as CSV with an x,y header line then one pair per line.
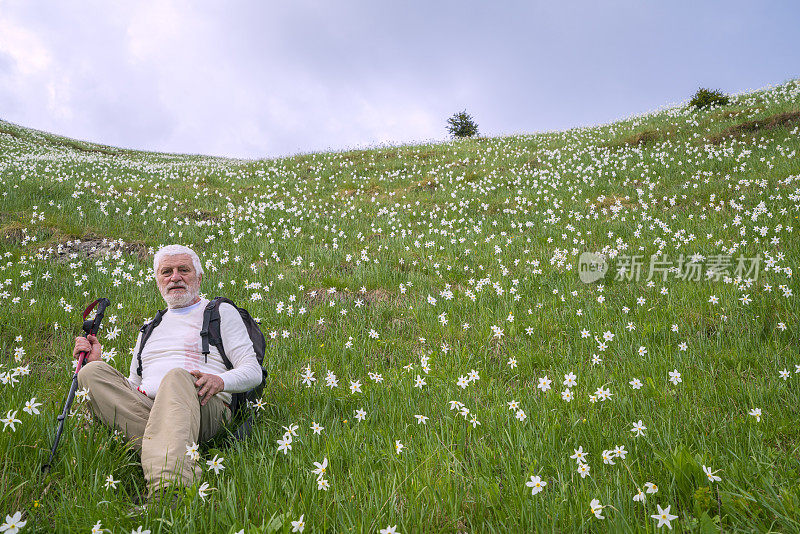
x,y
439,359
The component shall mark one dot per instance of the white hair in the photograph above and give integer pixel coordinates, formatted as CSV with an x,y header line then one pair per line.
x,y
173,250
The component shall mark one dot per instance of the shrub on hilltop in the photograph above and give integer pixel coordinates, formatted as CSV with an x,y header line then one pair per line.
x,y
707,98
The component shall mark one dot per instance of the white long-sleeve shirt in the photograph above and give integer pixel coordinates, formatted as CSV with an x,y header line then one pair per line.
x,y
176,342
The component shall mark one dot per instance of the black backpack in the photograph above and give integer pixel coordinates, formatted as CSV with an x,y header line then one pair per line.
x,y
210,332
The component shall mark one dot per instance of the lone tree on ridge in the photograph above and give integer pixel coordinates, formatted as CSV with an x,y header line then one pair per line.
x,y
462,125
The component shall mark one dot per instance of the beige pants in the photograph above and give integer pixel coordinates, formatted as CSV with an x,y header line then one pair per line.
x,y
159,429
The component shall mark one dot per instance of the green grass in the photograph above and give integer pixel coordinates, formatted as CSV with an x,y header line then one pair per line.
x,y
487,220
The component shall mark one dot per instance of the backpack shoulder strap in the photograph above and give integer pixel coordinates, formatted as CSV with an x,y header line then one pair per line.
x,y
147,330
210,331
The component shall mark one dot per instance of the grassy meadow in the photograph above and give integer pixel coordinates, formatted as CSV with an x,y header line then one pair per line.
x,y
423,305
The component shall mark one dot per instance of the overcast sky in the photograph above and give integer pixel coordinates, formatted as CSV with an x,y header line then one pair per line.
x,y
263,79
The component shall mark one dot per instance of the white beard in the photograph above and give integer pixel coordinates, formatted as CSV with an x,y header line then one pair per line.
x,y
181,299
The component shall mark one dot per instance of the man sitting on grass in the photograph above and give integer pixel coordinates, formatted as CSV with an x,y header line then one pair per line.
x,y
179,399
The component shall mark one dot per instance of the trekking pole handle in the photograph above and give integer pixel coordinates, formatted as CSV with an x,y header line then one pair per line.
x,y
91,326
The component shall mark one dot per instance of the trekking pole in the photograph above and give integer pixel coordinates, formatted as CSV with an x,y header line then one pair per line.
x,y
89,327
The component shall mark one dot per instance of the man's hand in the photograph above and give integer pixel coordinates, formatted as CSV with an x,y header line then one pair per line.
x,y
90,346
209,385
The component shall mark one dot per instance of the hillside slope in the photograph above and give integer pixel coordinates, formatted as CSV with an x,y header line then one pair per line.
x,y
438,281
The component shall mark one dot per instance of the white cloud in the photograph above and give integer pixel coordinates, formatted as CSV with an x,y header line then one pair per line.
x,y
58,101
155,28
30,55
